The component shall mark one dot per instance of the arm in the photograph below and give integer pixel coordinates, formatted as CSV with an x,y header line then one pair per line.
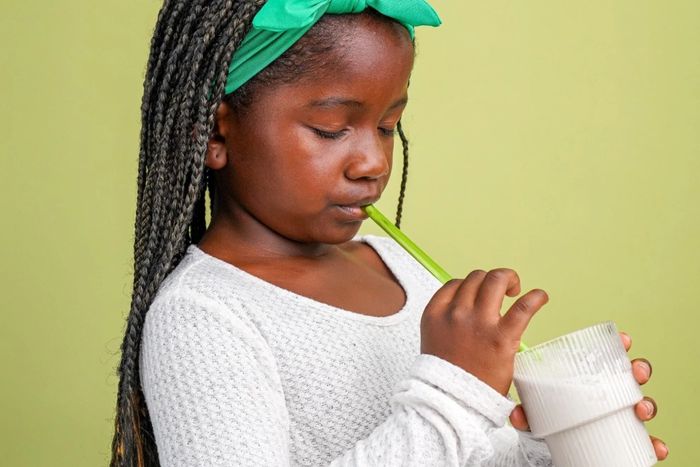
x,y
211,387
215,399
442,415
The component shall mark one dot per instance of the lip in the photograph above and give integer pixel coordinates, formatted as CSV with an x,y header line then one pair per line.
x,y
354,209
352,212
358,202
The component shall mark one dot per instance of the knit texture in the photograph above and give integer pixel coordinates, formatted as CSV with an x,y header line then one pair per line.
x,y
239,372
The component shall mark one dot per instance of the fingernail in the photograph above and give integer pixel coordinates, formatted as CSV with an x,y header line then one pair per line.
x,y
646,367
649,408
664,450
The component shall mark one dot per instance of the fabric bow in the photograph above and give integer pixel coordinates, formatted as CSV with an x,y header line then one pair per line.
x,y
280,23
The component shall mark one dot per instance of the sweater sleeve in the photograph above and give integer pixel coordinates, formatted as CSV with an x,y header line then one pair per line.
x,y
215,398
442,415
211,386
518,448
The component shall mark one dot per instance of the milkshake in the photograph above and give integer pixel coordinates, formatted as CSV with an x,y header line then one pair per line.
x,y
578,393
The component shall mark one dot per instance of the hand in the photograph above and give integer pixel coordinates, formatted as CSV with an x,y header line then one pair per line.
x,y
462,324
645,409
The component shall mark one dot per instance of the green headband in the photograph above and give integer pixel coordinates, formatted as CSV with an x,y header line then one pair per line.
x,y
280,23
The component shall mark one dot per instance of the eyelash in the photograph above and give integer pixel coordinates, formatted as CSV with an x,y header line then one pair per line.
x,y
329,134
336,135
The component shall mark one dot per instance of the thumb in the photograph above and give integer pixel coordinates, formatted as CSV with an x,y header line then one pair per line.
x,y
521,312
518,418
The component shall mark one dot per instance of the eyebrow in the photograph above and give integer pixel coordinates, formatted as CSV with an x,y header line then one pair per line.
x,y
331,102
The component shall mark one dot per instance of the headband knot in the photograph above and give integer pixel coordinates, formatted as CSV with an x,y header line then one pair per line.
x,y
280,23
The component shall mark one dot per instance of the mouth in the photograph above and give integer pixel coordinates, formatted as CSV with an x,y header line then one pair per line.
x,y
354,210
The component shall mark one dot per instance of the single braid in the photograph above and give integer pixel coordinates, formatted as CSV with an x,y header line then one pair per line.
x,y
404,174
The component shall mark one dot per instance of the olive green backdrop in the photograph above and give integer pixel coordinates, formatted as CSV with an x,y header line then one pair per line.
x,y
558,138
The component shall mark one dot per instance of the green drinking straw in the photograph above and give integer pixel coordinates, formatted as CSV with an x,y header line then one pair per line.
x,y
413,249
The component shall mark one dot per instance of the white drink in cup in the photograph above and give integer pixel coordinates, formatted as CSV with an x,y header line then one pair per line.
x,y
579,394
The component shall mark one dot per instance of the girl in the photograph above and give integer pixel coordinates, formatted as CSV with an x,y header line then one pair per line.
x,y
275,335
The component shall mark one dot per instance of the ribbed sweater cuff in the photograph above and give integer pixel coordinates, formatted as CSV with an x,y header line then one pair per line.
x,y
464,387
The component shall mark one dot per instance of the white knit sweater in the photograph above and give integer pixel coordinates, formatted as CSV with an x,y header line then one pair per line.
x,y
239,372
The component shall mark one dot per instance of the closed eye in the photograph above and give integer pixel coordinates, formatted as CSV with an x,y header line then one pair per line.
x,y
388,132
328,134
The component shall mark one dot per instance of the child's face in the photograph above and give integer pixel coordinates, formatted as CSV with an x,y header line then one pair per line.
x,y
306,155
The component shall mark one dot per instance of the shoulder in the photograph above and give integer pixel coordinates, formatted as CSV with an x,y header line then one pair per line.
x,y
196,273
197,295
186,329
202,278
183,314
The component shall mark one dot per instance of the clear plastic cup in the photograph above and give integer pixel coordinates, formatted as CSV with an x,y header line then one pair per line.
x,y
579,393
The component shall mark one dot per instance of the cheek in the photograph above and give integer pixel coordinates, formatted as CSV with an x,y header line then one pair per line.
x,y
390,152
301,170
311,160
388,147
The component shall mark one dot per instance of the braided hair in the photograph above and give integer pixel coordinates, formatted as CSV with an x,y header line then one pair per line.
x,y
191,48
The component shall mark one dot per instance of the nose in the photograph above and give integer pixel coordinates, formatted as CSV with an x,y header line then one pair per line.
x,y
370,158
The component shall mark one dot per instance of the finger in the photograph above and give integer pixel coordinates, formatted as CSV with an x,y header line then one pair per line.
x,y
518,418
646,409
521,312
443,296
641,369
660,448
468,289
626,340
496,285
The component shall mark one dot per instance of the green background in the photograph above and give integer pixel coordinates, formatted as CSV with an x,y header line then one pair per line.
x,y
558,138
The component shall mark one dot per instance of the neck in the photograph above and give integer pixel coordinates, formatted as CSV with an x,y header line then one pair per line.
x,y
238,235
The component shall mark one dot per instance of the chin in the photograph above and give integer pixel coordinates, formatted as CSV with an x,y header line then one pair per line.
x,y
342,233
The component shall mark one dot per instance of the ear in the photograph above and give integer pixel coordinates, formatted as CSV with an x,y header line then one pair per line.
x,y
217,151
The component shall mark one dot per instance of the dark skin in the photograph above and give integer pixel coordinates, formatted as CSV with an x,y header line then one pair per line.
x,y
291,174
284,173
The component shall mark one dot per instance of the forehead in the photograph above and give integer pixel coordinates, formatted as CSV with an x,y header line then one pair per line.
x,y
369,41
372,61
376,48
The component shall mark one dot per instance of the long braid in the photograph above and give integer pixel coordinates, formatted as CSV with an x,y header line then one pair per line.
x,y
161,35
192,44
404,173
199,220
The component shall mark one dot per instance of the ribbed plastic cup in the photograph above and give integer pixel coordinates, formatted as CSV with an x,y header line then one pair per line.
x,y
579,393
